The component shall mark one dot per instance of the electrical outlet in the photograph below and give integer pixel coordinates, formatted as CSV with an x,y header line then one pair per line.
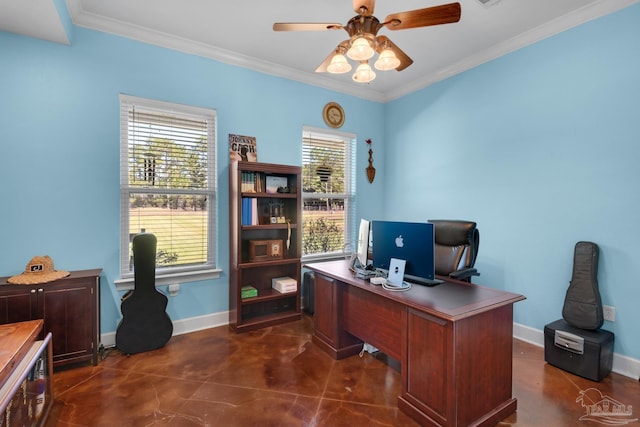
x,y
609,313
174,288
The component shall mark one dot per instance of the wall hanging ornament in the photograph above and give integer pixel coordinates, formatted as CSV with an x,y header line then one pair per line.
x,y
371,171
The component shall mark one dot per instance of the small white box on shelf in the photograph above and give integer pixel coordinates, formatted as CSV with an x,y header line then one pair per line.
x,y
284,284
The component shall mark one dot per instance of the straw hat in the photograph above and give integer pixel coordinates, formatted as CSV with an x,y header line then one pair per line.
x,y
39,270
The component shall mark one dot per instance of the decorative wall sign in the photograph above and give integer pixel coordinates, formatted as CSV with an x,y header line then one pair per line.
x,y
243,147
333,115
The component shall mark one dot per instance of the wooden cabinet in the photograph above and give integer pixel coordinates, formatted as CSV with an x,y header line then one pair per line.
x,y
460,372
70,308
325,324
329,334
265,241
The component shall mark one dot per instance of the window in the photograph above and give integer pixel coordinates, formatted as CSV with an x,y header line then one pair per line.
x,y
328,192
167,184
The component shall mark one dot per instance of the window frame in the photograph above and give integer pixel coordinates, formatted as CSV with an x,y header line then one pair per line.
x,y
168,275
349,195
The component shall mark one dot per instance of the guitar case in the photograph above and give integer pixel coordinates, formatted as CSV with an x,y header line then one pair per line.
x,y
582,304
145,324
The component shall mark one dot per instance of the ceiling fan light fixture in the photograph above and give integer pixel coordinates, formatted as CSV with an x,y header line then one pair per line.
x,y
364,73
339,64
361,49
387,60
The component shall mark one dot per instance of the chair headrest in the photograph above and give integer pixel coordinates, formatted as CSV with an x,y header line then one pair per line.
x,y
454,232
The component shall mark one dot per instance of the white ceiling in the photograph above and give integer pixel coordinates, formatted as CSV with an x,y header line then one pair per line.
x,y
240,32
36,18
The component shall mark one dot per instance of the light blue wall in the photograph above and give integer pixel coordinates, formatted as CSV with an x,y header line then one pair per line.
x,y
59,147
541,148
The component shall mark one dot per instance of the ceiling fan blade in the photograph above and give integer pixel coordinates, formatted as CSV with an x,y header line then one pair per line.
x,y
444,14
383,42
343,46
364,7
305,26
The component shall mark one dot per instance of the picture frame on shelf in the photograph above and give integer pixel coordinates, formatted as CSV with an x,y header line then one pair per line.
x,y
276,182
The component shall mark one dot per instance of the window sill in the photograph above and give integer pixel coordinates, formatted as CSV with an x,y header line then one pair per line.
x,y
127,283
324,257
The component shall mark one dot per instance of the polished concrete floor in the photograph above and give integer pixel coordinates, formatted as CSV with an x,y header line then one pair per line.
x,y
278,377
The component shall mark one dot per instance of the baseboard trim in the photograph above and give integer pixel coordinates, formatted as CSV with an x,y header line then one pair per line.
x,y
183,326
623,365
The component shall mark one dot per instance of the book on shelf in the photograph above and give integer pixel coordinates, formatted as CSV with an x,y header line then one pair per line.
x,y
248,292
260,182
247,182
254,211
252,182
249,214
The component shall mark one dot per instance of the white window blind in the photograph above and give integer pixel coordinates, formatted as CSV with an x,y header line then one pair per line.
x,y
167,182
328,182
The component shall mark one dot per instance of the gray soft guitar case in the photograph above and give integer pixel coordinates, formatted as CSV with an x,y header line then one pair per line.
x,y
582,304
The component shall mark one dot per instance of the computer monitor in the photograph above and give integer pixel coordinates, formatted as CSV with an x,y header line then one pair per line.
x,y
362,250
410,241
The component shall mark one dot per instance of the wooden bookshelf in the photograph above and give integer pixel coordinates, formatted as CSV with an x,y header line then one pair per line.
x,y
265,242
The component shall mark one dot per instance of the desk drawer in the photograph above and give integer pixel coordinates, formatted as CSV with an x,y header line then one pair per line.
x,y
374,319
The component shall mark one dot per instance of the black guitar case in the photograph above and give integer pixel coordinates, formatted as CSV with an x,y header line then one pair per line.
x,y
582,304
145,324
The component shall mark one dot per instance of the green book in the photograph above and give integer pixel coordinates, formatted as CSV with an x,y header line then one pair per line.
x,y
248,292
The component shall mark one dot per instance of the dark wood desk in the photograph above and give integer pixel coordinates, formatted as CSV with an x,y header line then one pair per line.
x,y
26,391
453,341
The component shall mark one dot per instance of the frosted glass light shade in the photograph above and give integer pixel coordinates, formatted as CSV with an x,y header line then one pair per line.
x,y
364,73
360,49
387,60
339,64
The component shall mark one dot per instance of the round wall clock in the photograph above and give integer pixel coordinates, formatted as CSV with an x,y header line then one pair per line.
x,y
333,115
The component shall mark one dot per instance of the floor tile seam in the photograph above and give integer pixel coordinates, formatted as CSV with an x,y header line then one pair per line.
x,y
357,402
294,335
271,390
288,393
295,401
75,385
173,377
134,371
571,379
71,424
129,372
316,414
278,335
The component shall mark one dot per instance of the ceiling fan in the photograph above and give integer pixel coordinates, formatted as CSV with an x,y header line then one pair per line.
x,y
363,41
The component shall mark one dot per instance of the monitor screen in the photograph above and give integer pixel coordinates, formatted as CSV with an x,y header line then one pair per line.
x,y
363,242
410,241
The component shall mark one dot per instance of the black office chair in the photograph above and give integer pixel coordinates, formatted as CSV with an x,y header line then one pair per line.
x,y
456,248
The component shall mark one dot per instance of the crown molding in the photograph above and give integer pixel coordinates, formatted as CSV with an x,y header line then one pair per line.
x,y
580,16
92,21
585,14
